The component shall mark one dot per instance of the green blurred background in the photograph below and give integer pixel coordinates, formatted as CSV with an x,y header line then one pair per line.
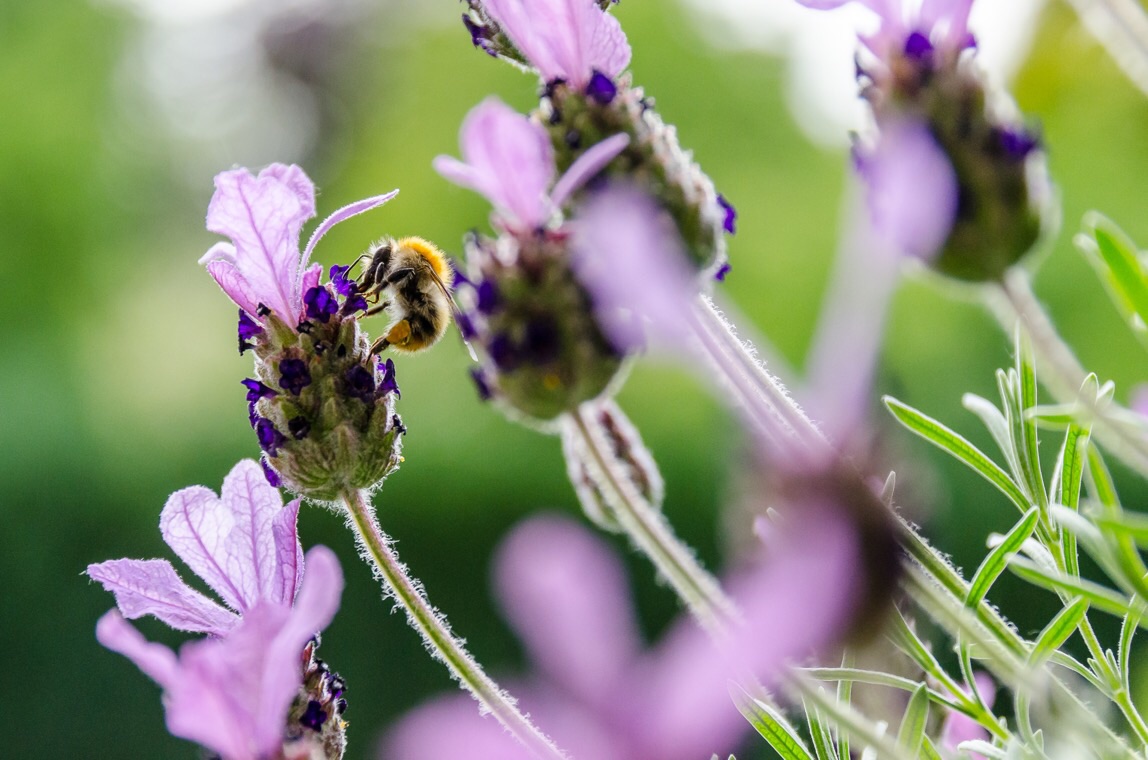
x,y
120,381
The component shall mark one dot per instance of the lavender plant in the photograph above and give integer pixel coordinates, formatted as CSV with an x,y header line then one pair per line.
x,y
607,238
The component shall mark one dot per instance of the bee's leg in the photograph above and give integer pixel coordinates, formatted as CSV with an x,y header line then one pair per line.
x,y
397,335
377,309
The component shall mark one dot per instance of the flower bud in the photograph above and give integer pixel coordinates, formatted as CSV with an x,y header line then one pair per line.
x,y
321,406
315,725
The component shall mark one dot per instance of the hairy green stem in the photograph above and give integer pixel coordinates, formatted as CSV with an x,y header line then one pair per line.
x,y
650,532
432,626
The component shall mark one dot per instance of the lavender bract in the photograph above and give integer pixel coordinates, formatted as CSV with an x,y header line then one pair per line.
x,y
234,691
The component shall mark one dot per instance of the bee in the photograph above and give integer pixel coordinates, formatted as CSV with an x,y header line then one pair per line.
x,y
410,280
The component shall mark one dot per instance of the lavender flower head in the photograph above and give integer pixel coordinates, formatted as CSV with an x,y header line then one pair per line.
x,y
542,351
321,412
233,692
919,78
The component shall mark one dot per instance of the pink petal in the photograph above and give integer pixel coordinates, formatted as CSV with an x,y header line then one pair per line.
x,y
586,166
912,189
315,607
959,727
950,16
216,697
565,594
263,216
155,660
508,159
229,542
450,728
342,215
564,39
152,587
288,554
627,252
311,277
231,281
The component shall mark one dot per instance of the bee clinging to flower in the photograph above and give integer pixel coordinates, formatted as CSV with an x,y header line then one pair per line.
x,y
410,280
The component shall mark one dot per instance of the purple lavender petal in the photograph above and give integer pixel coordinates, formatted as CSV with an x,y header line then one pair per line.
x,y
419,735
587,166
294,376
389,382
949,18
269,473
912,189
601,88
480,383
248,329
565,594
508,159
729,222
479,35
918,47
503,352
257,390
722,271
270,439
360,382
628,255
1018,143
342,215
152,587
263,216
344,285
155,660
487,294
320,304
397,424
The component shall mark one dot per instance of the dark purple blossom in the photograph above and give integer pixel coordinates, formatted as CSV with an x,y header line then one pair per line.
x,y
465,326
344,286
939,25
1018,143
270,439
480,383
503,352
389,382
397,423
269,474
479,35
320,304
601,88
918,47
729,221
257,390
248,329
487,293
314,716
722,271
360,382
294,375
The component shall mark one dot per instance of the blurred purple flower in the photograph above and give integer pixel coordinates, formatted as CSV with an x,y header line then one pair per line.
x,y
912,189
230,693
263,216
568,40
908,27
628,254
596,692
959,727
507,158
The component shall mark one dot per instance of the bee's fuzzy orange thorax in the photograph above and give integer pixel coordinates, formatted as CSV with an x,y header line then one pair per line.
x,y
432,254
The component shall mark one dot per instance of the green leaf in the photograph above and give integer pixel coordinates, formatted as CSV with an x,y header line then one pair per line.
x,y
819,732
1028,444
1120,265
877,678
773,727
1098,596
1058,630
994,564
983,748
912,731
956,445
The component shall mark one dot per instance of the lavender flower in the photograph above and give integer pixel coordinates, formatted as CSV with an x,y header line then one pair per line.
x,y
564,593
232,692
573,41
940,139
322,415
544,353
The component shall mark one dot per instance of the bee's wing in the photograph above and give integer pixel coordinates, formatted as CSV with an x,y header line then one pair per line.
x,y
454,307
